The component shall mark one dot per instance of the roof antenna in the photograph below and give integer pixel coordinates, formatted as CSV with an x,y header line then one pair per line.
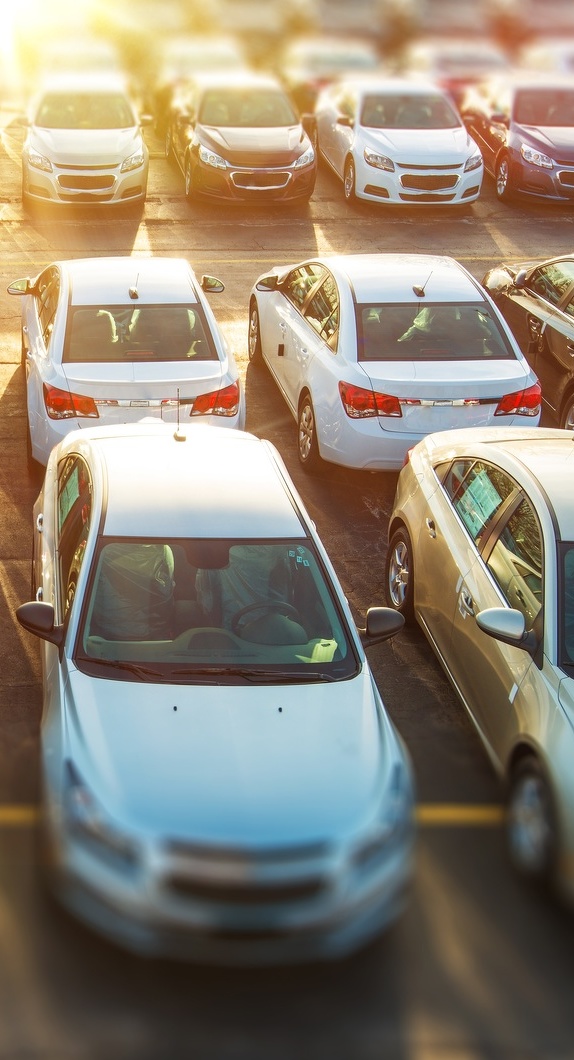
x,y
178,433
133,291
419,289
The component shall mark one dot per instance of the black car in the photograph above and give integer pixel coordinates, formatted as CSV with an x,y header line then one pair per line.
x,y
537,300
238,138
524,126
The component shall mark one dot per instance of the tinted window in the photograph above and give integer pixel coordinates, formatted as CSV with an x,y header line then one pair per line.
x,y
301,282
150,333
408,112
322,312
539,106
435,332
255,108
553,280
515,561
74,512
567,605
84,110
478,492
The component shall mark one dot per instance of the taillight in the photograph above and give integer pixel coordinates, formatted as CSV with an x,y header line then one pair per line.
x,y
522,403
360,403
63,405
219,403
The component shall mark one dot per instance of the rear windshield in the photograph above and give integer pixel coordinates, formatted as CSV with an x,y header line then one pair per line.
x,y
436,332
151,333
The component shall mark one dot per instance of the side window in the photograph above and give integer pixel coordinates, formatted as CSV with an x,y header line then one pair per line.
x,y
47,302
322,311
567,606
301,281
477,491
74,513
515,561
552,281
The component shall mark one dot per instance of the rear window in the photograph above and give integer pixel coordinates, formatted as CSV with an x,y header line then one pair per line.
x,y
115,333
436,332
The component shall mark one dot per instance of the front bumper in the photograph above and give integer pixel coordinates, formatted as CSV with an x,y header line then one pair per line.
x,y
253,184
418,185
81,185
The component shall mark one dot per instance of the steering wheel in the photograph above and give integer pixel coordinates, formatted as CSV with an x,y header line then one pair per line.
x,y
266,605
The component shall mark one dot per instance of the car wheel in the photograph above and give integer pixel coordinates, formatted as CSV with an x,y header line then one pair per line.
x,y
307,446
399,574
349,180
188,180
254,335
567,415
502,177
531,823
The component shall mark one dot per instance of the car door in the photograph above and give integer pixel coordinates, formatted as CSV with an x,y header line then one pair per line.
x,y
343,129
290,340
38,325
541,315
507,572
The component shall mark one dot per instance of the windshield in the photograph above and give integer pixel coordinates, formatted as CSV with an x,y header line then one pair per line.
x,y
185,610
248,108
409,111
438,332
537,106
116,333
84,110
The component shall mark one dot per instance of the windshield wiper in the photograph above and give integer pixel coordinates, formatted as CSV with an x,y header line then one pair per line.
x,y
250,674
143,672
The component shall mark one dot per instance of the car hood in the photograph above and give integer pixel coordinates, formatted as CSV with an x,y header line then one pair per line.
x,y
89,147
555,140
227,764
432,147
256,147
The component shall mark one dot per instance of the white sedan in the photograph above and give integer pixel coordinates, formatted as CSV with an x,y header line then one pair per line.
x,y
220,777
372,352
397,141
113,340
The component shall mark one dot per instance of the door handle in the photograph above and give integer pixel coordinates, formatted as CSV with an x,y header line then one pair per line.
x,y
40,523
282,327
39,594
430,525
465,603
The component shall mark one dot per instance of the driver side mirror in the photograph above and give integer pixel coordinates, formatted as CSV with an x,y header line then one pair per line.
x,y
381,624
345,120
23,286
212,285
38,618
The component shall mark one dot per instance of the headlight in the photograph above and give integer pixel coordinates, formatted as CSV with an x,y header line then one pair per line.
x,y
306,159
396,823
474,162
379,161
88,825
39,161
132,162
211,159
536,158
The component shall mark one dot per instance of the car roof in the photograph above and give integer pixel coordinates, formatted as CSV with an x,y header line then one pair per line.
x,y
202,482
108,280
539,454
391,277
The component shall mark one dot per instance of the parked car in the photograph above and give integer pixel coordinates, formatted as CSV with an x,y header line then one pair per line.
x,y
554,54
524,126
220,777
481,554
114,339
397,141
537,300
307,64
373,351
237,138
84,145
453,62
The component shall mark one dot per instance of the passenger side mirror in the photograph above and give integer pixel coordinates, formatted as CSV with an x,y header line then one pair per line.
x,y
381,624
520,279
23,286
212,285
268,283
38,618
344,119
509,626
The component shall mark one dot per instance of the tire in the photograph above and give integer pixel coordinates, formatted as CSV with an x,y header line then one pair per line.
x,y
169,144
567,414
399,574
307,446
349,181
532,834
502,179
254,335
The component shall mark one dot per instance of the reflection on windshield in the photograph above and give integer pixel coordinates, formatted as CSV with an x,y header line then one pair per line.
x,y
408,112
235,609
539,107
83,110
118,333
246,108
439,332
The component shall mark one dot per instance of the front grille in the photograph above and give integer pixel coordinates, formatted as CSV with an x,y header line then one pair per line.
x,y
410,165
87,183
567,179
428,197
260,179
246,893
430,183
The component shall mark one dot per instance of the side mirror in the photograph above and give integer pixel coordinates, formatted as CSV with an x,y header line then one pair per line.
x,y
499,118
520,279
381,624
23,286
509,626
212,285
344,119
38,618
268,283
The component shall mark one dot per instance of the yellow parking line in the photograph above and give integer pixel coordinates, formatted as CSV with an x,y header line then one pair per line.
x,y
428,815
